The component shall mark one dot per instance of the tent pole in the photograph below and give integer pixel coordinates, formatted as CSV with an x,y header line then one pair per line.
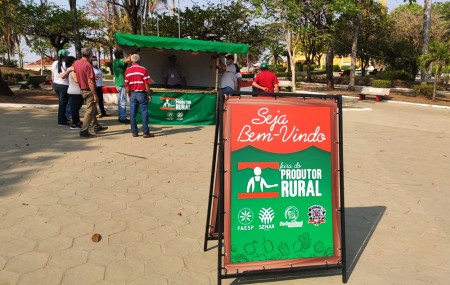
x,y
217,73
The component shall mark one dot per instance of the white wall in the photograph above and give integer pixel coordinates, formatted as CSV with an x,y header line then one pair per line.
x,y
198,68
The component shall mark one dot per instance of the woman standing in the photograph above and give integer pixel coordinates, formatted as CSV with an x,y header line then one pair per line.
x,y
60,85
74,92
99,83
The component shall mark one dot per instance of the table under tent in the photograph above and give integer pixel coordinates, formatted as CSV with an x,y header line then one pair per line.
x,y
195,104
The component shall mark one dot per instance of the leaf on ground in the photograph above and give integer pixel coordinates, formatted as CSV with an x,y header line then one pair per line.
x,y
24,204
180,214
188,142
96,237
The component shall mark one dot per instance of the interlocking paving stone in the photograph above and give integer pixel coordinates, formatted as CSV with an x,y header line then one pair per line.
x,y
68,258
164,265
86,273
143,251
27,262
124,271
47,276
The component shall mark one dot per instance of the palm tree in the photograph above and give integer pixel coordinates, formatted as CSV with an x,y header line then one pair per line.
x,y
439,55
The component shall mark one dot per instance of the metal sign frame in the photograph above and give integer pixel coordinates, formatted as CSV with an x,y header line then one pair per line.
x,y
215,223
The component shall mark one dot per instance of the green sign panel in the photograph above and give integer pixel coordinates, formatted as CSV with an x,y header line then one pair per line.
x,y
178,108
281,194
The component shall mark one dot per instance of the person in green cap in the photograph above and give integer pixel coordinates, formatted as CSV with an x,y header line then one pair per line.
x,y
60,86
120,64
266,80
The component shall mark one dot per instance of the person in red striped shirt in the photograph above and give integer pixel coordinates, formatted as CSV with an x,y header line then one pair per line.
x,y
137,84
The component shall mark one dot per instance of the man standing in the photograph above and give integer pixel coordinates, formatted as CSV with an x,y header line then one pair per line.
x,y
228,71
119,66
86,79
137,83
173,76
266,80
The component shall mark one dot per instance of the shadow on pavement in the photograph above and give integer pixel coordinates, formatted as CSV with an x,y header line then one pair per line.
x,y
30,141
360,222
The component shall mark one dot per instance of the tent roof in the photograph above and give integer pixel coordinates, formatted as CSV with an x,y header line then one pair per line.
x,y
179,44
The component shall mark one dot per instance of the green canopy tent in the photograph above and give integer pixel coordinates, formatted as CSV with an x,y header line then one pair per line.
x,y
196,57
198,60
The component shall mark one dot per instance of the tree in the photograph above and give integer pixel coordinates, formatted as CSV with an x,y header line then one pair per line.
x,y
131,8
40,46
426,33
372,35
213,22
76,29
50,22
439,55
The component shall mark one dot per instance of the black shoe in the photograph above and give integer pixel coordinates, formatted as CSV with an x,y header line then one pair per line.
x,y
63,125
106,115
135,135
149,135
86,135
75,126
99,128
124,121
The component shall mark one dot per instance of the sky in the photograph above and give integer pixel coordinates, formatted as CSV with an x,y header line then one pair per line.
x,y
30,57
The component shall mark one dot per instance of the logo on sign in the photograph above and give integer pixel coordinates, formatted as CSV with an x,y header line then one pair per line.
x,y
316,215
245,216
266,215
291,214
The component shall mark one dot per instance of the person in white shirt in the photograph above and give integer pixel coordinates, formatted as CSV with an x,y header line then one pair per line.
x,y
238,76
173,76
228,71
74,92
99,84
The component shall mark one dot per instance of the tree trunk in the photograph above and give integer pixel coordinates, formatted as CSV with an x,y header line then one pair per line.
x,y
329,66
4,88
111,60
436,78
291,51
426,35
351,84
76,30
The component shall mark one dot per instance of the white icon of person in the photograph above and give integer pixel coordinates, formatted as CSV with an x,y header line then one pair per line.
x,y
258,179
167,104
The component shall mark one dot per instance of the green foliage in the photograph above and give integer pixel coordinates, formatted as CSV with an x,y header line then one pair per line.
x,y
395,75
284,74
336,68
318,72
108,77
424,90
10,62
18,77
381,83
346,67
214,22
277,68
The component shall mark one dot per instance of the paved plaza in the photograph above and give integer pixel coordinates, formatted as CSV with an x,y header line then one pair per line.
x,y
147,198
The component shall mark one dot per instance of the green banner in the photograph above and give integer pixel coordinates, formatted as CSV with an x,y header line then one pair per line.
x,y
177,108
289,219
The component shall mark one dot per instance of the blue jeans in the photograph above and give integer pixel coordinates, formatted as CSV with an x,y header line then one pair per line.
x,y
63,98
69,108
139,99
122,102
